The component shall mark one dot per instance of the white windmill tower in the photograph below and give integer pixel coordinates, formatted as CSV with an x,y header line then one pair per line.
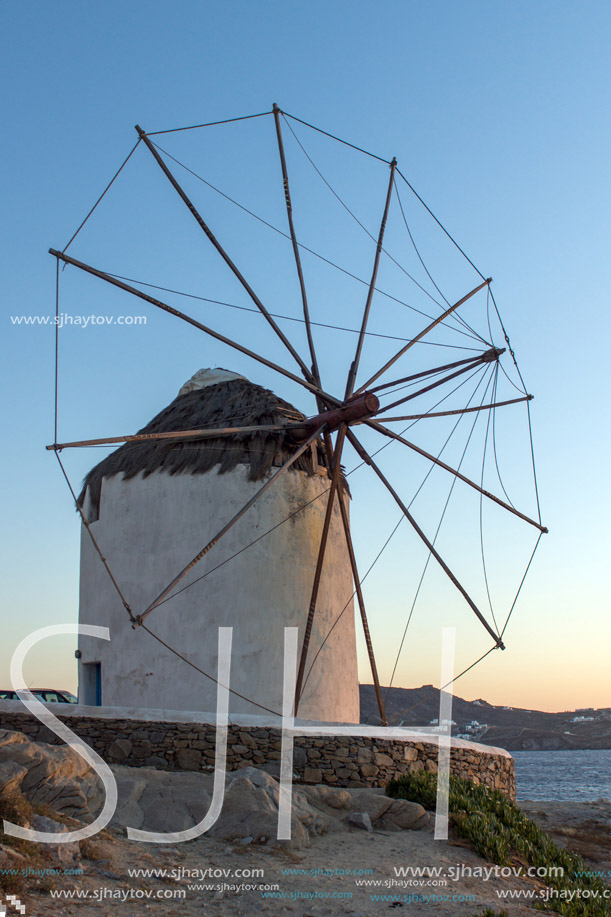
x,y
152,505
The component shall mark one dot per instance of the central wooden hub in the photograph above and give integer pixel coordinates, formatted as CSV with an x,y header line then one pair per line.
x,y
352,411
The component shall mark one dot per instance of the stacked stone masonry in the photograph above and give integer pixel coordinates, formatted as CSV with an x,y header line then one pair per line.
x,y
341,761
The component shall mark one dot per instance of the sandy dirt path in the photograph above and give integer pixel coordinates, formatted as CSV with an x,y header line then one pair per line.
x,y
323,880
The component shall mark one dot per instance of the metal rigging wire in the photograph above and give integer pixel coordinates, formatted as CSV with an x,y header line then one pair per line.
x,y
193,127
530,432
422,483
481,503
180,655
311,251
288,318
417,593
106,189
455,679
339,139
456,316
372,237
513,605
496,460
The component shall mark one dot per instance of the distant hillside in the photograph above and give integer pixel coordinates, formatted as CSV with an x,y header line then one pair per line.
x,y
508,727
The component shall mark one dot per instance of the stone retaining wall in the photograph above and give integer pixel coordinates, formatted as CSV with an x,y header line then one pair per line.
x,y
333,760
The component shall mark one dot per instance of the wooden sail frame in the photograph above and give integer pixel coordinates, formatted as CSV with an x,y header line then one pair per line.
x,y
342,410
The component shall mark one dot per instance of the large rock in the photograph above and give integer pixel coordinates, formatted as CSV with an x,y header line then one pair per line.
x,y
9,737
169,801
11,775
328,796
402,814
53,775
361,820
250,810
374,804
162,801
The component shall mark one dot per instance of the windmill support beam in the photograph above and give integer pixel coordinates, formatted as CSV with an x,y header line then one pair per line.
x,y
372,285
487,357
360,600
295,244
335,475
481,407
177,435
426,372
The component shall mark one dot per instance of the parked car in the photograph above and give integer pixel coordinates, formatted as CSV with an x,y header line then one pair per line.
x,y
48,695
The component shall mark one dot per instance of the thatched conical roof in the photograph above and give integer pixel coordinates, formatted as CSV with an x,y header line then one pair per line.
x,y
234,402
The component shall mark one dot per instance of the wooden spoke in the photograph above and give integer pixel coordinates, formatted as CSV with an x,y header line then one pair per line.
x,y
361,604
482,407
423,333
192,321
428,388
432,458
297,256
374,275
335,475
230,524
426,372
176,435
367,458
166,171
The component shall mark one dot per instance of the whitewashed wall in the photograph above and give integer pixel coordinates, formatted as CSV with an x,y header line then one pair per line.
x,y
150,528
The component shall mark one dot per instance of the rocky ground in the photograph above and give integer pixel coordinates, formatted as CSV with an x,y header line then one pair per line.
x,y
340,839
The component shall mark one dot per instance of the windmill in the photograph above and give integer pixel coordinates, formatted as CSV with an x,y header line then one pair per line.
x,y
318,439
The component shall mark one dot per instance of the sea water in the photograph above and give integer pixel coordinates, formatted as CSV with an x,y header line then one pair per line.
x,y
560,775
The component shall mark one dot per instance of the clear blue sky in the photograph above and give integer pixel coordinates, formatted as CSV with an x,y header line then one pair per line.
x,y
498,114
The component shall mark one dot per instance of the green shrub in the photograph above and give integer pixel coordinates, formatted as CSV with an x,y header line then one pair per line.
x,y
499,831
490,913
